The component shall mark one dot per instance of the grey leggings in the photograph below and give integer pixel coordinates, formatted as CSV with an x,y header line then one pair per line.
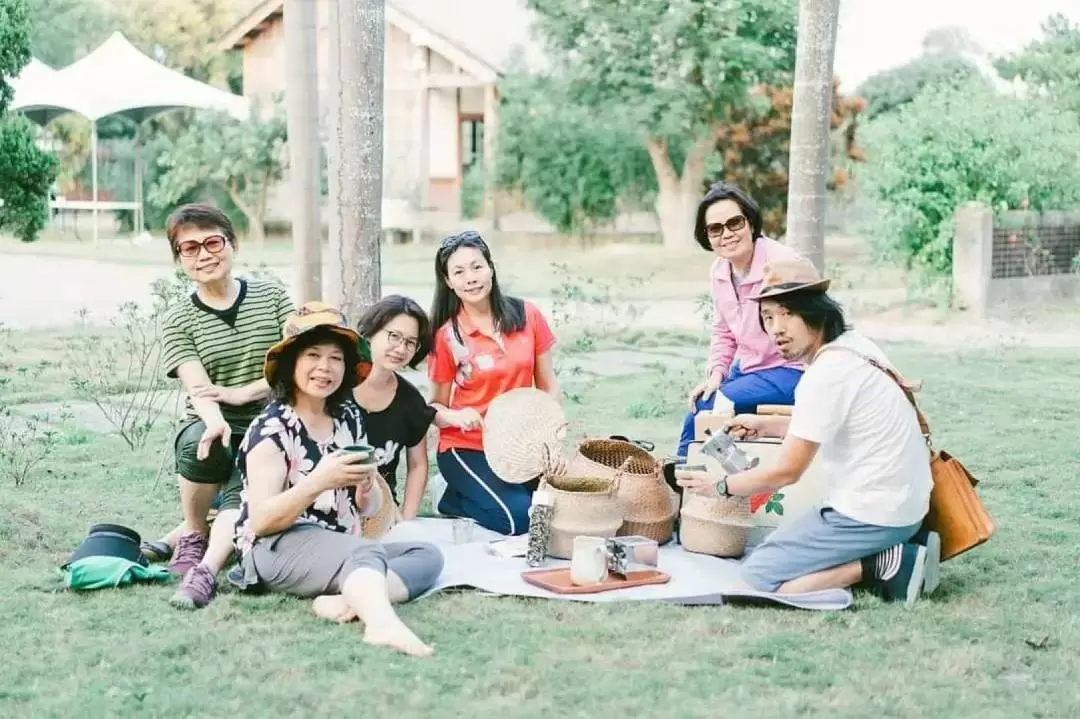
x,y
307,561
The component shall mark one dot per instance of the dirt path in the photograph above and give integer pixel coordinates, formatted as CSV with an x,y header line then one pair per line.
x,y
43,292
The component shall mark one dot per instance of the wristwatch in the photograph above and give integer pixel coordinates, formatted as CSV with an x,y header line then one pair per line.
x,y
721,488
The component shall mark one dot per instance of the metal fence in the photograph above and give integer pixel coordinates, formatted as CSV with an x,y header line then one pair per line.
x,y
1032,244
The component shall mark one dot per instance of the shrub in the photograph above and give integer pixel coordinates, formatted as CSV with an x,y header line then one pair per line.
x,y
952,146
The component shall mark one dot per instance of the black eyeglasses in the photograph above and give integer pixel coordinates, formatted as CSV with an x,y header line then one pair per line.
x,y
733,224
452,242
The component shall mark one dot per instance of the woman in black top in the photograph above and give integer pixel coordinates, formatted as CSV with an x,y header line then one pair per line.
x,y
397,416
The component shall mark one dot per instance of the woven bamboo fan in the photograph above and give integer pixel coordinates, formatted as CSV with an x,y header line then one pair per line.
x,y
376,527
523,431
715,525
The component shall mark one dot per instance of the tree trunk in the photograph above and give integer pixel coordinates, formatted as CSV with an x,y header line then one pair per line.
x,y
254,215
678,196
302,116
810,122
358,37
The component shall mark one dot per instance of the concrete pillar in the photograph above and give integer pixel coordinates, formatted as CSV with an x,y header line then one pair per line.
x,y
491,131
302,111
972,257
423,138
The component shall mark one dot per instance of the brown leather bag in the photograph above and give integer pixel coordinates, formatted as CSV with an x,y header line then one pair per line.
x,y
956,512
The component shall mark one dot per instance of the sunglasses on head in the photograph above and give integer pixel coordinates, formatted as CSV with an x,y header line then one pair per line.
x,y
190,248
452,242
733,224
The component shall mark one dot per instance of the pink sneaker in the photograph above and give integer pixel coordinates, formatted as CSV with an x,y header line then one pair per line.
x,y
189,551
196,590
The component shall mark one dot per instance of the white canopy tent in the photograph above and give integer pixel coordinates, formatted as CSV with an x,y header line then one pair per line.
x,y
42,97
116,79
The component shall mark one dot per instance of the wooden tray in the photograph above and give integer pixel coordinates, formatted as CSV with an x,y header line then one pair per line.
x,y
558,580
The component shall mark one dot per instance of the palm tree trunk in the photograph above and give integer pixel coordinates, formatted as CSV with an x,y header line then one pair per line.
x,y
810,123
358,37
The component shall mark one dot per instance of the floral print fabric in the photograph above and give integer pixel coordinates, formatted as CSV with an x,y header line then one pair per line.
x,y
335,509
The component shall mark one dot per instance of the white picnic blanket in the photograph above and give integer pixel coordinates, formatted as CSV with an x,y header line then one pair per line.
x,y
695,578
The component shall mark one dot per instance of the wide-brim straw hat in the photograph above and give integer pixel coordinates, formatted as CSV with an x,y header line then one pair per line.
x,y
321,317
523,433
782,277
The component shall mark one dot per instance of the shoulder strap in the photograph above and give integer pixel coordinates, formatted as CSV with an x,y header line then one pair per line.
x,y
908,388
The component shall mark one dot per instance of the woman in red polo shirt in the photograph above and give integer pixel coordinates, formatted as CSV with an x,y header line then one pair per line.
x,y
485,344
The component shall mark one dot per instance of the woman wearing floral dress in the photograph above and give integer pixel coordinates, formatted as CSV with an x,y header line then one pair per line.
x,y
304,497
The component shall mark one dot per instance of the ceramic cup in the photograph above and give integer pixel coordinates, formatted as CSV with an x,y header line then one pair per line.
x,y
366,450
589,561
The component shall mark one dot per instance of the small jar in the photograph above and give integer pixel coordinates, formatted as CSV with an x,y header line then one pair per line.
x,y
540,513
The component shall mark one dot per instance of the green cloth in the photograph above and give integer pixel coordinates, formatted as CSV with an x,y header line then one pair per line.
x,y
109,572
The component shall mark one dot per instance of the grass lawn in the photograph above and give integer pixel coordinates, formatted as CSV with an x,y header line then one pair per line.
x,y
1000,638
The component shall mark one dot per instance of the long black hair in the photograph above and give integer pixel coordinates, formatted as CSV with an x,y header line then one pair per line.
x,y
283,386
509,312
817,309
376,317
726,191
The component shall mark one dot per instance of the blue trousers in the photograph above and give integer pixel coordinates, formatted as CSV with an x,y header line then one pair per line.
x,y
473,490
746,392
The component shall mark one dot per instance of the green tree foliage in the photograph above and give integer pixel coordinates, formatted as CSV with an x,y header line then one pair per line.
x,y
26,172
891,89
954,145
62,31
14,45
1051,62
669,71
242,159
572,164
25,176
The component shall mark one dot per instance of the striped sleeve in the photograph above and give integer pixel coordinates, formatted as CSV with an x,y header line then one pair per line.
x,y
285,307
177,344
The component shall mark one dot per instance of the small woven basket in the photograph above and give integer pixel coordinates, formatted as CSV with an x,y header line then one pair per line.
x,y
648,504
715,525
377,525
606,457
523,429
583,506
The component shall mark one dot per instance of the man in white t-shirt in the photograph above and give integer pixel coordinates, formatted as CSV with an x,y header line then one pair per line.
x,y
874,457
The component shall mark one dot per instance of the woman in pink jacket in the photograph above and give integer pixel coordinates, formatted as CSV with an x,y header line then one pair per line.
x,y
744,364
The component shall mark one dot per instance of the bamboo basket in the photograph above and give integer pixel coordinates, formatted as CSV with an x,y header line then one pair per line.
x,y
586,506
649,506
715,525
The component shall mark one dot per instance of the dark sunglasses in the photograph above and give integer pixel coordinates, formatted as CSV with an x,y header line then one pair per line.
x,y
734,224
452,242
190,248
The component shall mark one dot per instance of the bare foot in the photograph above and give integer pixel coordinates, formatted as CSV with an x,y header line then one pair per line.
x,y
333,607
396,635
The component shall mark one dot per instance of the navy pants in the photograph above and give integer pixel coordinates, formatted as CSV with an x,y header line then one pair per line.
x,y
746,392
473,490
